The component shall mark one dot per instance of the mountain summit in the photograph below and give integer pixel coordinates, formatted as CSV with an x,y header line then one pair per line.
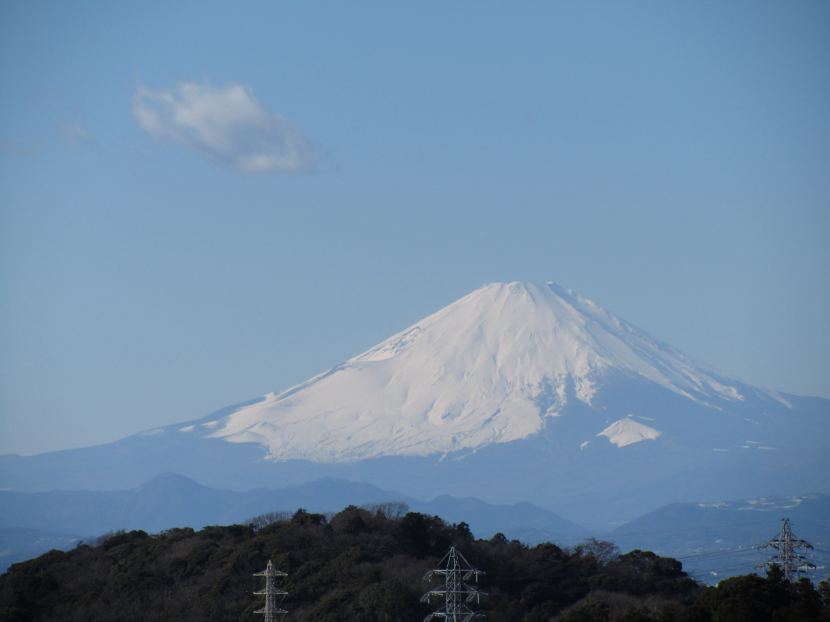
x,y
490,368
516,392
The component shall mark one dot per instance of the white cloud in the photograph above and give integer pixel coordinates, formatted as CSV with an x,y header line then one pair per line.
x,y
77,133
225,125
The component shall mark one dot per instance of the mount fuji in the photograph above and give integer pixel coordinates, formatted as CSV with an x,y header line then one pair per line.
x,y
516,392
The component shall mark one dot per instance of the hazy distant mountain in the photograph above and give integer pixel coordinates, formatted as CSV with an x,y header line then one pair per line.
x,y
171,500
492,368
514,393
33,523
716,540
17,544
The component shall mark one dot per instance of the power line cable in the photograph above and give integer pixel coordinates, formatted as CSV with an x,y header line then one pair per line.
x,y
720,552
648,533
801,522
786,557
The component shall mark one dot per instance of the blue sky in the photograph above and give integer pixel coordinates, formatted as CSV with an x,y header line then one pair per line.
x,y
204,202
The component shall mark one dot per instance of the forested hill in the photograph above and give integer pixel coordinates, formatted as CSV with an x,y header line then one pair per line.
x,y
368,565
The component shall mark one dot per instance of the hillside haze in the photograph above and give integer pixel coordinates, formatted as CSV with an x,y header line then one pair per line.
x,y
516,392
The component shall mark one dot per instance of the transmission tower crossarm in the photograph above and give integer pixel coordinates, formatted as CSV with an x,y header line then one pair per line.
x,y
455,570
276,574
786,544
271,611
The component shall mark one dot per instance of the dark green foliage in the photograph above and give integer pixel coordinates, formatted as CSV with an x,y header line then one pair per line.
x,y
364,566
751,598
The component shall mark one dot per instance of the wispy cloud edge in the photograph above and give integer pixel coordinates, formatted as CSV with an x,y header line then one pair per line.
x,y
77,133
226,125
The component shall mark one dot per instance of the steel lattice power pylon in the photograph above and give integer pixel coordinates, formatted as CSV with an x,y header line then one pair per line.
x,y
786,557
273,596
455,570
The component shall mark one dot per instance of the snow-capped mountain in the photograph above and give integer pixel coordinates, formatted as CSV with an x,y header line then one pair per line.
x,y
490,368
516,392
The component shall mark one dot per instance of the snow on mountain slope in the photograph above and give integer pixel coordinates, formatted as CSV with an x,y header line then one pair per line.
x,y
627,432
489,368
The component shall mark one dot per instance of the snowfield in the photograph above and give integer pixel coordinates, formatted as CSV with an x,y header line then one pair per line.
x,y
489,368
514,393
627,432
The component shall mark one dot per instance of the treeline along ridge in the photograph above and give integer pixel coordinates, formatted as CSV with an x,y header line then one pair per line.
x,y
367,565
